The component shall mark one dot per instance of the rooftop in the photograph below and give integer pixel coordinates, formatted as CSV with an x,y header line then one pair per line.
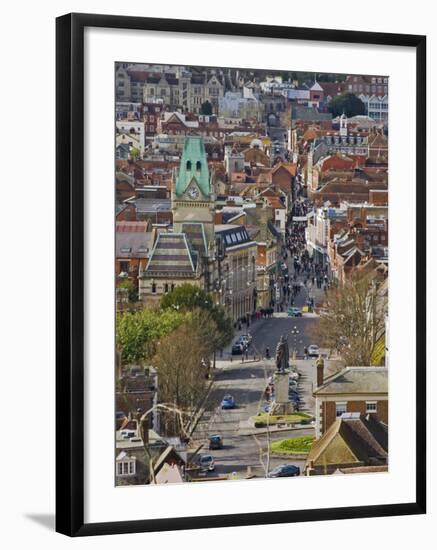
x,y
356,380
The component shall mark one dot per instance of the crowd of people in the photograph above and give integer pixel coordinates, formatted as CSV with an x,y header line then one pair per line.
x,y
306,272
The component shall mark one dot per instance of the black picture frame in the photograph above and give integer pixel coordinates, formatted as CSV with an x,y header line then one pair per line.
x,y
70,273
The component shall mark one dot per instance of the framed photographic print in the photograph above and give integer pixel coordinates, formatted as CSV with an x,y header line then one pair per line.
x,y
240,274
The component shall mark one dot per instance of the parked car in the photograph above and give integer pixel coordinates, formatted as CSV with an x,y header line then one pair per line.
x,y
207,463
313,350
245,339
228,402
237,348
215,442
285,470
243,342
294,312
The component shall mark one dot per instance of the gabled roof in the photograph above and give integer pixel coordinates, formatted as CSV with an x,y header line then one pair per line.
x,y
172,256
316,87
352,253
169,474
351,439
290,167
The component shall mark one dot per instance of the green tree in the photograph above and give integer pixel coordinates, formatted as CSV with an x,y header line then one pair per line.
x,y
206,108
137,333
132,291
348,103
134,153
187,297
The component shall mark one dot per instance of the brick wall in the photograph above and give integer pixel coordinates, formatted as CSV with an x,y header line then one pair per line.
x,y
329,414
378,197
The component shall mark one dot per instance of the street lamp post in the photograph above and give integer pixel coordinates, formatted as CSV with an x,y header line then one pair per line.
x,y
294,332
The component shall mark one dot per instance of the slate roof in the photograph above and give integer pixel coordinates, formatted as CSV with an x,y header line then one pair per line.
x,y
152,205
300,112
356,380
195,233
132,240
172,256
258,227
233,235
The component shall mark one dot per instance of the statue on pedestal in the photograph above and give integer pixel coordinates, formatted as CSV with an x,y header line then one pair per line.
x,y
282,355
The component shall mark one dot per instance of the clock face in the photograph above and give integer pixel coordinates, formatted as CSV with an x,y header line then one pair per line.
x,y
193,192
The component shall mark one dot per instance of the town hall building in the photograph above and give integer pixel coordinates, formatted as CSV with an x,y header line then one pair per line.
x,y
185,254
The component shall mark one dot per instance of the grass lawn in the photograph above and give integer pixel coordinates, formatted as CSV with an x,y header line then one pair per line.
x,y
295,418
293,446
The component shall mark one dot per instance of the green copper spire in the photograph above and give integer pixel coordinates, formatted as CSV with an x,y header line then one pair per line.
x,y
193,166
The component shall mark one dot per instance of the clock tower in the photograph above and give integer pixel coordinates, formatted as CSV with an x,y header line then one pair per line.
x,y
193,200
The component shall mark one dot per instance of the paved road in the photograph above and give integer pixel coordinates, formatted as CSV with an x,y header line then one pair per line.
x,y
298,330
246,382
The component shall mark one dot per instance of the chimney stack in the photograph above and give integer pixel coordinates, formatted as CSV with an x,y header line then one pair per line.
x,y
320,364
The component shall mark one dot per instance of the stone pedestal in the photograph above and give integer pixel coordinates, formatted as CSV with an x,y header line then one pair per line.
x,y
282,404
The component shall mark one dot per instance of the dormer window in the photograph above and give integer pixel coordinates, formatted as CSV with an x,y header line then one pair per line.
x,y
126,465
198,165
189,165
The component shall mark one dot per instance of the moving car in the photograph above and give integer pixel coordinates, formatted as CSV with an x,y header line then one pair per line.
x,y
294,312
215,442
228,402
237,348
313,350
285,470
207,463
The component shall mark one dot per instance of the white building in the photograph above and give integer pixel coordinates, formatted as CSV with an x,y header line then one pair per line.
x,y
317,231
376,106
131,129
241,105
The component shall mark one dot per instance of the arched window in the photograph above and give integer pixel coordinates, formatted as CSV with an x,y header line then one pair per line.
x,y
189,165
166,287
198,165
153,288
172,286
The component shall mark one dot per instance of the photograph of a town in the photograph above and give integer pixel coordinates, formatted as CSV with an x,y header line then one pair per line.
x,y
251,274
